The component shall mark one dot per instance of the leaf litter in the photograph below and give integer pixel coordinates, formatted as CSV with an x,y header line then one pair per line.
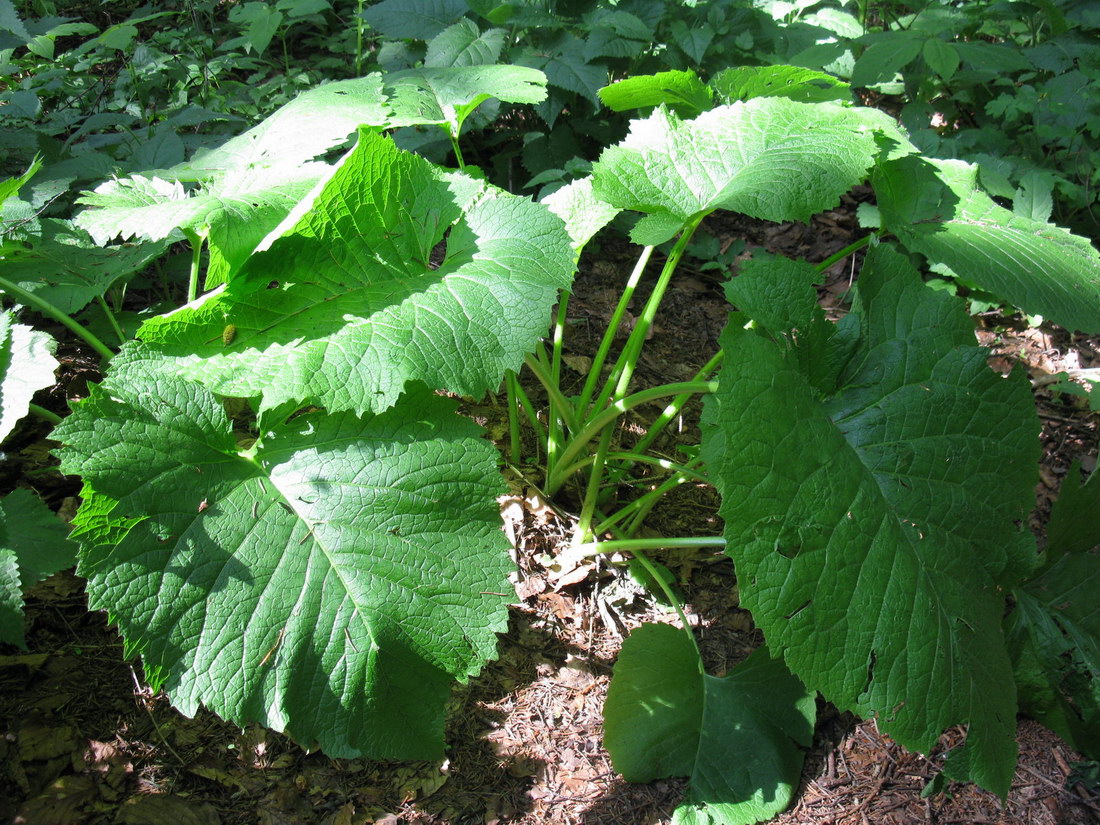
x,y
84,741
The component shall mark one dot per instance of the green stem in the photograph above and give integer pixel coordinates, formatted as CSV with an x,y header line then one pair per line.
x,y
513,416
640,507
111,319
845,252
677,404
532,416
46,308
670,594
458,151
638,458
646,503
359,38
44,414
623,370
553,426
592,490
597,424
612,327
564,408
196,263
633,545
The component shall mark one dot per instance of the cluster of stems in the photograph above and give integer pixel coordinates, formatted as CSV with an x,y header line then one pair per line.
x,y
578,433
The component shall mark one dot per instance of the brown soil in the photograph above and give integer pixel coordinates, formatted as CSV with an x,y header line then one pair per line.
x,y
85,741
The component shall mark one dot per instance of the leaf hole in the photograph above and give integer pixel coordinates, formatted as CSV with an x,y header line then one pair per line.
x,y
439,251
870,671
789,551
794,613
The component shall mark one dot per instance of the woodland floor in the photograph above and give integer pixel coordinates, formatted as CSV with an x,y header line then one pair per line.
x,y
85,741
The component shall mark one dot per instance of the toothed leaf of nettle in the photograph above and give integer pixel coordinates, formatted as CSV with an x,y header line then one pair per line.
x,y
33,545
739,738
26,366
936,208
874,523
769,158
331,581
399,271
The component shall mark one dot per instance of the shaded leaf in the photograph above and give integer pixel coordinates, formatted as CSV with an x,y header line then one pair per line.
x,y
65,266
884,59
416,19
738,738
463,44
33,545
794,82
876,521
447,96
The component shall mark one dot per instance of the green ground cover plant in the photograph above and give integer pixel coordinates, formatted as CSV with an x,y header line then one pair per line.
x,y
290,522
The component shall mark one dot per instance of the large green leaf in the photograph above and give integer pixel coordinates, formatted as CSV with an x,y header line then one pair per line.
x,y
447,96
1074,526
769,158
26,366
10,21
778,293
739,738
882,60
316,121
250,183
66,267
567,67
33,545
330,581
874,526
356,300
936,208
464,44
